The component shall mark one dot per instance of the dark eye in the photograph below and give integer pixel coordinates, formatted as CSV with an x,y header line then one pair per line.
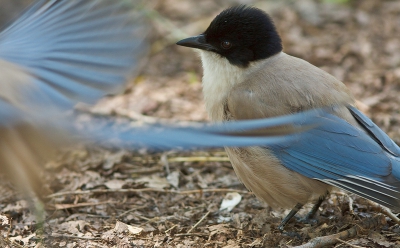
x,y
226,44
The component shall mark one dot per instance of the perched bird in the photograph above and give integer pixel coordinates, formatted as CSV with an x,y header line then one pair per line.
x,y
248,76
58,53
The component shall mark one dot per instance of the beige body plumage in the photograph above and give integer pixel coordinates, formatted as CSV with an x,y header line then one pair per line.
x,y
280,85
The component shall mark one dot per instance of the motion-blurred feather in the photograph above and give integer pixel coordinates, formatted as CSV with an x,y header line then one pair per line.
x,y
55,54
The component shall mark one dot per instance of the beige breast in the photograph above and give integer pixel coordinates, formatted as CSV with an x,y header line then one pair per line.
x,y
278,86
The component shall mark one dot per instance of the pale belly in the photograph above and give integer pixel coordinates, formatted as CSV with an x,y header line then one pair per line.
x,y
270,181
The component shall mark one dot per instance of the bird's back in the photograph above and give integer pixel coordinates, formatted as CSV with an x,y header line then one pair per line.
x,y
288,85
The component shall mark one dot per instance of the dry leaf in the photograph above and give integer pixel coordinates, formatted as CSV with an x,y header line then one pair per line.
x,y
121,227
154,181
115,184
173,179
230,201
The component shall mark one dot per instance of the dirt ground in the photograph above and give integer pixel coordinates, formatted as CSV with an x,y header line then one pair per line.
x,y
102,197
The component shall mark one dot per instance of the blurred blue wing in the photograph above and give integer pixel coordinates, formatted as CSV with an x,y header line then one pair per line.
x,y
345,156
196,135
75,50
57,53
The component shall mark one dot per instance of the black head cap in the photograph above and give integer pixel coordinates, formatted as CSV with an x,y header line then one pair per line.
x,y
241,34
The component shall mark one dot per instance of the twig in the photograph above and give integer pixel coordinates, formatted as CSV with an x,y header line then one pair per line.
x,y
222,158
318,242
145,190
198,159
159,168
144,218
171,228
193,227
385,211
78,205
347,243
351,209
146,170
131,210
164,161
191,234
351,202
57,235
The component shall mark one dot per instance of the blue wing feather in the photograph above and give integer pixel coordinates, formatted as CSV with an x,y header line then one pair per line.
x,y
377,133
78,46
347,157
196,135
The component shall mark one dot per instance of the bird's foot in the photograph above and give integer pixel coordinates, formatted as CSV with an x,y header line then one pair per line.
x,y
281,228
307,220
292,235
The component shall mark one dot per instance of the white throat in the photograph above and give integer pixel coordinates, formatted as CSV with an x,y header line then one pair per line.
x,y
220,76
218,79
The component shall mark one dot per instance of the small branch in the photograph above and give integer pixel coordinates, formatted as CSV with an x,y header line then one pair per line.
x,y
370,223
170,229
57,235
146,170
216,157
193,227
199,159
190,234
131,210
78,205
351,202
347,243
164,161
159,168
96,191
384,210
145,218
351,209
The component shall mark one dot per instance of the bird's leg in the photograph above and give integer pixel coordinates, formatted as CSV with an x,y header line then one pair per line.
x,y
296,208
289,216
314,209
309,217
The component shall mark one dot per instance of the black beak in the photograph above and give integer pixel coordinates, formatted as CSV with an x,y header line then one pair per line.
x,y
196,42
